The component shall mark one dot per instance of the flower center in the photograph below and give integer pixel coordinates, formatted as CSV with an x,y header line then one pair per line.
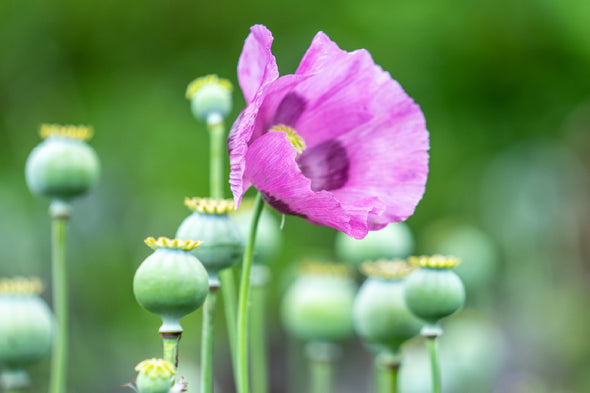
x,y
292,136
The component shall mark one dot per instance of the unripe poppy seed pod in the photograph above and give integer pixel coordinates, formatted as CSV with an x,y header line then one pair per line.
x,y
26,323
210,96
210,223
380,315
317,307
154,376
434,291
63,166
171,282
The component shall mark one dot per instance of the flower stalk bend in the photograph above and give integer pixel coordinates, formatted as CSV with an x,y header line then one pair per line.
x,y
242,332
60,213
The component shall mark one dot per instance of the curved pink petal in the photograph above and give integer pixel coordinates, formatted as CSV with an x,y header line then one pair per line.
x,y
256,65
278,178
322,52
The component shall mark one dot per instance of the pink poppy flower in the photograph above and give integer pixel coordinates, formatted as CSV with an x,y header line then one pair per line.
x,y
352,148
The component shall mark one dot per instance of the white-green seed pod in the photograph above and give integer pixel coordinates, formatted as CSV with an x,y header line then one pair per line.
x,y
154,376
393,241
380,315
63,166
434,291
26,323
317,307
211,97
171,282
211,224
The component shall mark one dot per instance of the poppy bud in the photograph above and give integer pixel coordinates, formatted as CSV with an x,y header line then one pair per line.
x,y
210,223
318,305
63,166
171,282
155,376
210,97
434,291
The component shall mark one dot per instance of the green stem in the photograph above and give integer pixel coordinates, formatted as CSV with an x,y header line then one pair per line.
x,y
432,344
59,212
216,144
207,342
228,292
387,378
170,347
258,340
322,375
242,336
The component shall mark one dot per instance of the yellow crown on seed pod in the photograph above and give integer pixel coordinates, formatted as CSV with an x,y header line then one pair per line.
x,y
209,205
387,269
321,268
68,131
435,261
196,84
21,286
155,368
173,244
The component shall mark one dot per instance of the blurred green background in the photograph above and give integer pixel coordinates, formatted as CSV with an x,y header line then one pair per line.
x,y
505,88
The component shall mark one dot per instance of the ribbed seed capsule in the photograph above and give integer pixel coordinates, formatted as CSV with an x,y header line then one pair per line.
x,y
381,317
317,307
434,291
155,376
210,223
171,282
26,323
63,166
210,96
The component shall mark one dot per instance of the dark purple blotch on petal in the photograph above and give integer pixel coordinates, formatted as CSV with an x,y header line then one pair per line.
x,y
326,165
289,110
279,205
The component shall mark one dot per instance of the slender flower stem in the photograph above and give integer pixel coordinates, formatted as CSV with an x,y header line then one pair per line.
x,y
322,375
242,354
216,129
60,214
207,342
258,339
387,378
170,346
432,344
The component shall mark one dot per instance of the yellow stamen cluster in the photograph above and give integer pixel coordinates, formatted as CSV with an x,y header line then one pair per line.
x,y
387,269
195,85
156,368
69,131
172,244
435,261
209,205
20,286
292,136
319,268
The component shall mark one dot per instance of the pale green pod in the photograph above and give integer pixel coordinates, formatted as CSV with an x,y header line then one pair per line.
x,y
171,282
210,96
26,325
318,308
434,291
63,166
222,245
381,317
393,241
155,376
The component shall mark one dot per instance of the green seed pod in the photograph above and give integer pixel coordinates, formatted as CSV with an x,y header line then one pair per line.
x,y
434,291
268,233
222,241
171,282
380,315
393,241
317,307
63,166
155,376
210,96
26,323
